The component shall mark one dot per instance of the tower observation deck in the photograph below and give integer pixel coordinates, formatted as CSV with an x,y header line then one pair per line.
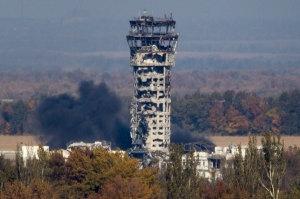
x,y
152,42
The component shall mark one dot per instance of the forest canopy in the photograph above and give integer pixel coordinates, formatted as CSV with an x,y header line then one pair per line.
x,y
227,113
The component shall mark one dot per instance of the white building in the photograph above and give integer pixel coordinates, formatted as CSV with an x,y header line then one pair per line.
x,y
209,164
26,152
32,151
84,145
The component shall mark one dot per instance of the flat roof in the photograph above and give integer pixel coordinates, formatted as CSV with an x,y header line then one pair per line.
x,y
223,141
9,143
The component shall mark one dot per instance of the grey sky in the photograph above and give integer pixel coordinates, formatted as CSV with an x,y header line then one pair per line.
x,y
214,21
183,10
51,30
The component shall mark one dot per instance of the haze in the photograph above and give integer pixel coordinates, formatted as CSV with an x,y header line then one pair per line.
x,y
30,30
120,9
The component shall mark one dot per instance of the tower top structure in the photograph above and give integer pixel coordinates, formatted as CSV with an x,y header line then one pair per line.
x,y
150,34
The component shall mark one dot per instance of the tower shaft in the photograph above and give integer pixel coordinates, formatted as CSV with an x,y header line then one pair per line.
x,y
152,44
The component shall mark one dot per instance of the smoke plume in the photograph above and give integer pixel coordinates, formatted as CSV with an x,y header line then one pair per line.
x,y
183,136
97,114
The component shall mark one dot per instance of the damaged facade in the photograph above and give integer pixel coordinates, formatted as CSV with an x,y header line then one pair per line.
x,y
83,145
152,42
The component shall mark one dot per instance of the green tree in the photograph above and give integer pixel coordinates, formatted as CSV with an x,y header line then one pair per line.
x,y
7,113
241,172
57,167
6,172
294,192
19,164
192,112
289,103
271,164
238,100
43,163
291,179
228,99
182,179
20,112
259,168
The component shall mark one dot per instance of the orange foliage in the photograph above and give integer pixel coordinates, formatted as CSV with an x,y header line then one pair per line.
x,y
216,118
120,188
220,190
235,122
15,190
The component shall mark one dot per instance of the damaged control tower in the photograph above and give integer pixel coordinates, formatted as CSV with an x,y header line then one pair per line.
x,y
152,42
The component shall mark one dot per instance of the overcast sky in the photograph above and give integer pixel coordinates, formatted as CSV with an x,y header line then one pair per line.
x,y
183,10
197,21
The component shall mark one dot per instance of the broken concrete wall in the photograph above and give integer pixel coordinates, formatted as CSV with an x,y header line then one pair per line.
x,y
152,56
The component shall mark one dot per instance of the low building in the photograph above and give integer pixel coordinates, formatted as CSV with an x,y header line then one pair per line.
x,y
25,151
84,145
75,145
209,163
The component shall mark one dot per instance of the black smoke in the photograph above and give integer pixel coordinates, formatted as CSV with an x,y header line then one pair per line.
x,y
183,136
97,114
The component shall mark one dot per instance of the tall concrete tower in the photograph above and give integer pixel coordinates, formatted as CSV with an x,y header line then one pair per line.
x,y
152,42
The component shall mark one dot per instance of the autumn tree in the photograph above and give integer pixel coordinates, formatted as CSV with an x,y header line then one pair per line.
x,y
221,190
15,189
253,106
235,122
88,170
217,119
38,189
122,188
274,118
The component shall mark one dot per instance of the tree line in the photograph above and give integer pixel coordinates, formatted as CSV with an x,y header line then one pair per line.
x,y
238,113
84,174
269,172
228,113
